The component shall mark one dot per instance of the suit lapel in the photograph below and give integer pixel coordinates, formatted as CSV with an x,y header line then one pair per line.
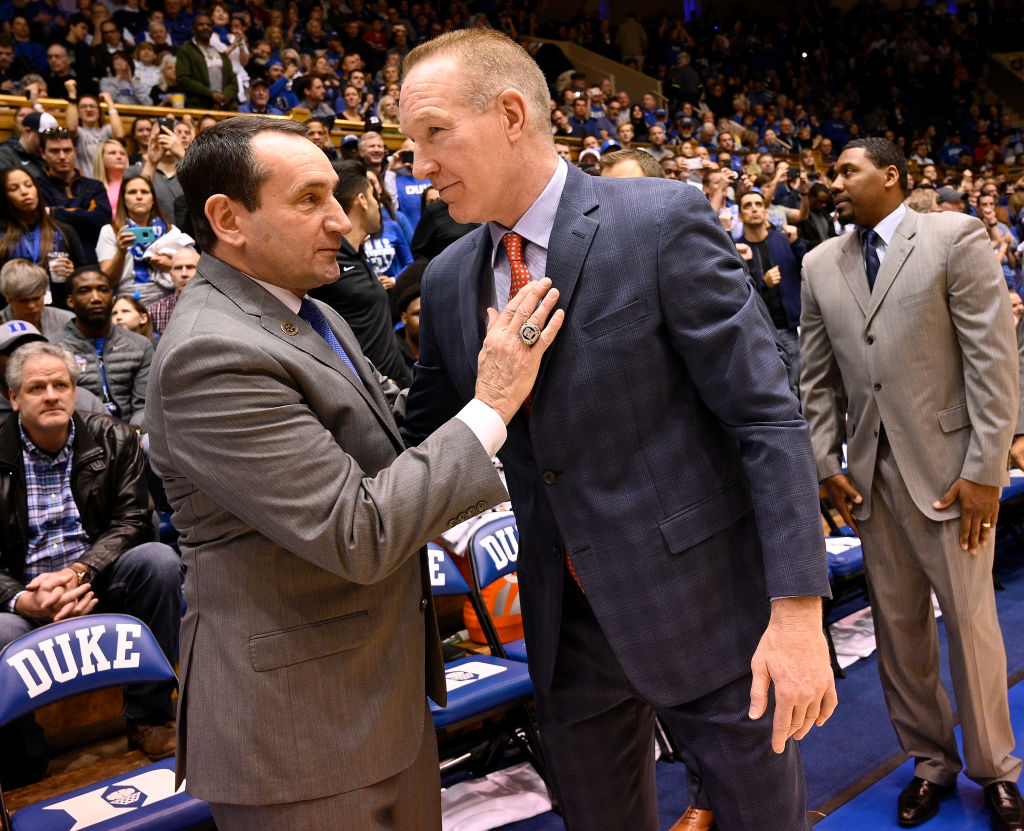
x,y
851,265
571,237
279,321
895,256
475,290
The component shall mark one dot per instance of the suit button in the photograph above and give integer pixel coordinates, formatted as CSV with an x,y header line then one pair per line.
x,y
877,386
471,512
463,516
869,340
481,506
549,477
423,604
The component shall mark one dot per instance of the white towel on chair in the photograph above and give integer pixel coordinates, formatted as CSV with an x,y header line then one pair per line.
x,y
505,796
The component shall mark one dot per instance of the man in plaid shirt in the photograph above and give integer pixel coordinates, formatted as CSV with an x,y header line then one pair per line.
x,y
183,269
76,535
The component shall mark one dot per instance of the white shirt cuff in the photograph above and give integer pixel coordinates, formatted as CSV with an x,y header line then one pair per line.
x,y
485,423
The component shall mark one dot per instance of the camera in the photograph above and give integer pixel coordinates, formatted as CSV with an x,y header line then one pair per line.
x,y
793,173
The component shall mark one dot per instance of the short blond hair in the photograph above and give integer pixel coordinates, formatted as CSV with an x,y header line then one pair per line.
x,y
494,63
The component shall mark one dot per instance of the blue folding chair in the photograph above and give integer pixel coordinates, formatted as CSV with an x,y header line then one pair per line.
x,y
73,656
489,690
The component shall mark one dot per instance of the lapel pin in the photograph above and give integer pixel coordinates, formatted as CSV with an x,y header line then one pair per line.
x,y
289,328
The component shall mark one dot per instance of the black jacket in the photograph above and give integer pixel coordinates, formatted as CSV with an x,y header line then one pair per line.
x,y
359,297
109,486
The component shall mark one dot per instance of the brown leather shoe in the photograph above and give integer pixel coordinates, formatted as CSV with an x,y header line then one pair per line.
x,y
695,819
157,741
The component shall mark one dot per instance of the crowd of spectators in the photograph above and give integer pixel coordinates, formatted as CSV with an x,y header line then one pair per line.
x,y
753,111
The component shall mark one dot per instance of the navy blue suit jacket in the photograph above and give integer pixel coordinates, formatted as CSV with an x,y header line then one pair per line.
x,y
661,419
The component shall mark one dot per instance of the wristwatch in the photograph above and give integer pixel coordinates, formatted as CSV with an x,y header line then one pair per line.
x,y
84,573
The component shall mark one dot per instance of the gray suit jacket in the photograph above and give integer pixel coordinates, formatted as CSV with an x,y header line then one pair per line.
x,y
309,618
930,353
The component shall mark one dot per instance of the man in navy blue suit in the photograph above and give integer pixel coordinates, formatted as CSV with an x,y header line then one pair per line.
x,y
671,556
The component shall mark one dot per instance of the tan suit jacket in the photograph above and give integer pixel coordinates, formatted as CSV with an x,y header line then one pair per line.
x,y
309,620
930,353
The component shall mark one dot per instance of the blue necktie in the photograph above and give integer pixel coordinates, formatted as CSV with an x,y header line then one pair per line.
x,y
315,318
869,239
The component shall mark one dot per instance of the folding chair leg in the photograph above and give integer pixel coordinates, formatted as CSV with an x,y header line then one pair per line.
x,y
837,670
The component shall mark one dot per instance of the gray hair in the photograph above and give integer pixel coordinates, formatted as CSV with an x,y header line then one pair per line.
x,y
37,349
22,280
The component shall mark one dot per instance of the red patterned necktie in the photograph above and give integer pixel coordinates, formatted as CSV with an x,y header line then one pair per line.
x,y
520,277
517,265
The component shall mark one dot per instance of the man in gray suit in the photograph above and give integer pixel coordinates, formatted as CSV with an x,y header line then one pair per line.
x,y
909,356
662,476
309,624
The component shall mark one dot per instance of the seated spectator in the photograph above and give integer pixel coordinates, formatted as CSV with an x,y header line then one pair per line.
x,y
320,135
120,84
923,200
359,296
309,89
157,34
633,163
350,106
388,250
60,72
949,199
109,163
61,558
207,86
183,269
373,152
259,99
85,123
14,334
167,90
625,135
133,268
160,163
30,233
21,150
24,285
79,201
387,109
25,47
408,336
115,362
147,72
656,137
12,67
112,41
130,313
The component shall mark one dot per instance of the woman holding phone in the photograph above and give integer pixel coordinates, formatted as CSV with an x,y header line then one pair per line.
x,y
28,232
121,249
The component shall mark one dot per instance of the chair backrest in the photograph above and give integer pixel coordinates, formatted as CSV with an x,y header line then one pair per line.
x,y
76,655
445,577
494,550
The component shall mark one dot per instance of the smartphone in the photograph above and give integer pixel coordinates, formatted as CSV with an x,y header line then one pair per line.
x,y
165,122
694,164
144,235
406,156
793,173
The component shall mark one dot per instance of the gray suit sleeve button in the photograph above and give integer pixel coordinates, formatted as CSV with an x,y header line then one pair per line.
x,y
549,477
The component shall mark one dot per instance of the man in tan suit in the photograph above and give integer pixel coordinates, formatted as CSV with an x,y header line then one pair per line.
x,y
310,641
909,356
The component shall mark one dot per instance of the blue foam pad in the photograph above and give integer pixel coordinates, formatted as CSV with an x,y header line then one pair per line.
x,y
139,799
1016,486
480,683
845,557
516,650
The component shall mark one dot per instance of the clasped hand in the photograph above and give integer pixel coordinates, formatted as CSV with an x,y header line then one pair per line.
x,y
55,596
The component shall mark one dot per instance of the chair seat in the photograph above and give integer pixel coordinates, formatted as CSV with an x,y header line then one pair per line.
x,y
480,683
139,799
516,650
1016,486
845,557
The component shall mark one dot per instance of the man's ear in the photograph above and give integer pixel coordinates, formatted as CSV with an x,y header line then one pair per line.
x,y
223,213
512,106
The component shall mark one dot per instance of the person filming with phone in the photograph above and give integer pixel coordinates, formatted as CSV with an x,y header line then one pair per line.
x,y
123,249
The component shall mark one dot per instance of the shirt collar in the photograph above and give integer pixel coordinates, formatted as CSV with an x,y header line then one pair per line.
x,y
38,455
286,297
887,227
535,225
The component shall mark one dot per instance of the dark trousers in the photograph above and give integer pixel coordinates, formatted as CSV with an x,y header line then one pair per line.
x,y
144,582
598,739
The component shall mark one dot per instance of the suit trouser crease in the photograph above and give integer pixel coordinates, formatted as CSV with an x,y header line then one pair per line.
x,y
598,740
907,555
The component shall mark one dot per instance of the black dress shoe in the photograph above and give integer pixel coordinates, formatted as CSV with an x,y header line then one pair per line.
x,y
919,801
1005,807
